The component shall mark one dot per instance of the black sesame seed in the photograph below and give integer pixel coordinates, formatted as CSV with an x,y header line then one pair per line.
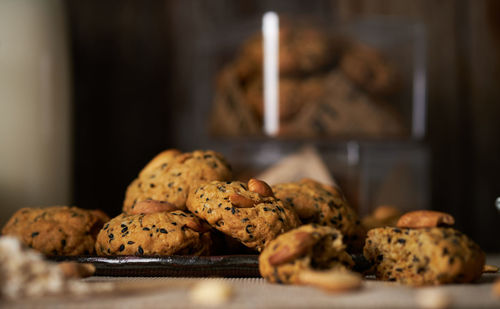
x,y
174,223
106,226
111,236
249,227
245,220
63,242
140,250
179,189
145,228
399,269
122,247
233,210
380,257
130,242
396,230
124,229
164,231
170,184
227,208
35,234
401,240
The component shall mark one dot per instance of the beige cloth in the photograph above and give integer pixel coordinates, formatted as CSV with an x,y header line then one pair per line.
x,y
257,293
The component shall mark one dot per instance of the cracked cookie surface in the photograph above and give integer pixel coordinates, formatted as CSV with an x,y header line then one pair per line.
x,y
424,256
57,230
171,174
161,233
309,247
324,205
247,216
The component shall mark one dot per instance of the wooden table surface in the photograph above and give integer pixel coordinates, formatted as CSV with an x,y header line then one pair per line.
x,y
257,293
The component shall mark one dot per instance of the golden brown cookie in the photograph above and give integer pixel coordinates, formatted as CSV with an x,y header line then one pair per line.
x,y
324,205
249,216
57,230
424,256
161,233
170,175
302,50
366,67
309,247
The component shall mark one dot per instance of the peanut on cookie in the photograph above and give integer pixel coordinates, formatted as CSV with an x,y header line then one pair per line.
x,y
308,248
323,205
253,218
423,256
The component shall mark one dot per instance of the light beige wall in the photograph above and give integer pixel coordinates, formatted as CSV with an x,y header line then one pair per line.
x,y
34,106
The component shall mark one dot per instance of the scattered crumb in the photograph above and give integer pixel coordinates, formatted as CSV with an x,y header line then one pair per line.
x,y
25,273
496,288
331,281
433,298
210,293
490,268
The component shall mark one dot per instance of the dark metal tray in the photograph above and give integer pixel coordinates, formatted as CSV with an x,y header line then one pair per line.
x,y
170,266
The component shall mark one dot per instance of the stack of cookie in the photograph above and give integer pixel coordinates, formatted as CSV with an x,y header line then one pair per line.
x,y
329,86
187,203
306,232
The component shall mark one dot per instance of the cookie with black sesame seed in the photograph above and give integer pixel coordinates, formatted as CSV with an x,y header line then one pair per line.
x,y
309,247
57,230
171,174
324,205
252,218
160,233
424,256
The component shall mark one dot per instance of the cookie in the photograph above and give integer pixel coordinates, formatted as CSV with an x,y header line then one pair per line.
x,y
309,247
234,209
161,233
57,230
294,95
323,205
302,50
424,256
171,174
368,69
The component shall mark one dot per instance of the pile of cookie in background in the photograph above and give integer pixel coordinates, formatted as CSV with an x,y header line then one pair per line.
x,y
329,85
305,232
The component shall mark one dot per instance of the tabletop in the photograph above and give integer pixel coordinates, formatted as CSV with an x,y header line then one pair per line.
x,y
168,292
